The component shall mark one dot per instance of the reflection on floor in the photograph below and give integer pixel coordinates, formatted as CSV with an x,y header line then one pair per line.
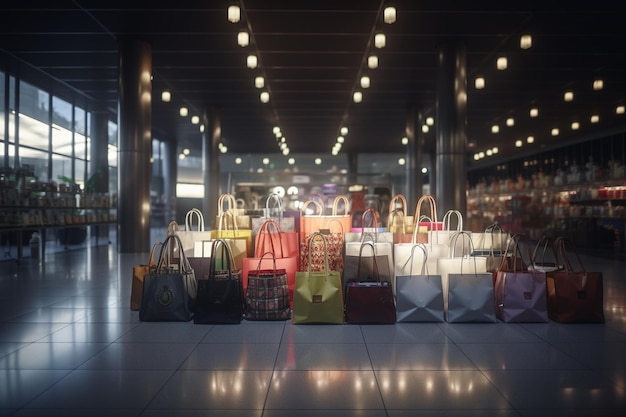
x,y
70,346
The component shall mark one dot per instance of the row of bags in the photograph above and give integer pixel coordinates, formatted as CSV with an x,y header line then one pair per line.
x,y
514,292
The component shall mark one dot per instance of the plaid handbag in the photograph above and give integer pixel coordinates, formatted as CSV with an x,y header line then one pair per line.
x,y
267,293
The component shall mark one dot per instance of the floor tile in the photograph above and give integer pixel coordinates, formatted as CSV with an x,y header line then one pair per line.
x,y
232,357
329,356
140,356
518,356
404,356
324,390
439,390
103,389
214,390
19,386
51,356
323,333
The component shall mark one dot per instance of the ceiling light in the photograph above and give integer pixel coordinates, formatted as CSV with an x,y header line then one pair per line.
x,y
166,96
554,132
344,131
430,121
481,155
266,161
379,40
195,120
259,82
518,143
489,152
265,97
502,63
476,157
534,112
251,61
389,15
568,96
595,118
238,161
201,128
186,151
372,62
495,129
575,125
243,38
276,130
525,41
365,81
357,97
340,139
318,161
530,139
224,149
401,161
495,150
425,129
234,13
405,140
619,110
598,84
184,111
286,151
291,161
479,83
510,122
181,156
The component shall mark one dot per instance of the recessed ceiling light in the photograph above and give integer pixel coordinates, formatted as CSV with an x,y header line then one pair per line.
x,y
554,132
495,129
568,96
575,125
479,83
598,84
166,96
184,111
502,63
525,41
534,112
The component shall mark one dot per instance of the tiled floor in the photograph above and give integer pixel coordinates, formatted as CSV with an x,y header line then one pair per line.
x,y
70,346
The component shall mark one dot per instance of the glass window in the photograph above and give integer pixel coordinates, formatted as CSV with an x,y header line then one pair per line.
x,y
80,146
38,159
61,113
33,103
61,167
62,140
34,133
79,172
112,145
2,93
80,122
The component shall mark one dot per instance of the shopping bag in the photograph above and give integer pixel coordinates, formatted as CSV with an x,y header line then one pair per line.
x,y
369,301
382,241
311,219
285,256
492,242
318,296
369,223
220,297
276,213
193,232
396,224
399,221
453,264
355,260
575,295
139,273
267,293
426,220
419,294
519,292
240,239
332,248
449,229
272,238
470,297
227,203
169,292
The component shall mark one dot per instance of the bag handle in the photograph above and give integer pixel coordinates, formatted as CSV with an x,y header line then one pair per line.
x,y
265,229
279,205
544,244
167,249
375,264
393,203
448,217
392,215
561,245
513,249
151,264
346,205
312,238
426,198
424,270
465,236
222,216
374,215
226,199
258,268
172,228
196,214
317,205
226,253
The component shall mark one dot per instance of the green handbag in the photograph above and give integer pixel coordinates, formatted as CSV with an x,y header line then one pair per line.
x,y
318,295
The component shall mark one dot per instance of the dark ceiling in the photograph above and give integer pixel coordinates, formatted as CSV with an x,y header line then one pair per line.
x,y
312,55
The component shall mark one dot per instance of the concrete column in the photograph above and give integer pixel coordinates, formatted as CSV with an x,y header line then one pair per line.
x,y
211,164
414,157
451,136
134,145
